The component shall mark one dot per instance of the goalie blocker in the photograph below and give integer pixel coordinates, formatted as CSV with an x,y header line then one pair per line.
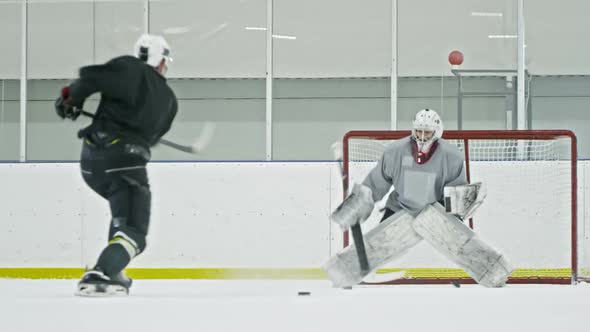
x,y
356,208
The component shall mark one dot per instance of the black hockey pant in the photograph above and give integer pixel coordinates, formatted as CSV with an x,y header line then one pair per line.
x,y
115,169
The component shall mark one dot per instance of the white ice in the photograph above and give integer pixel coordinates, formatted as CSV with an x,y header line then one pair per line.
x,y
206,305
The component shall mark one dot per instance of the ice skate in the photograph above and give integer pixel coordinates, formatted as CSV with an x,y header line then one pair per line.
x,y
95,283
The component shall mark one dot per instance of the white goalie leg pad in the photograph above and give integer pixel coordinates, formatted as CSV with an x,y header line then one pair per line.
x,y
356,208
460,244
391,239
464,200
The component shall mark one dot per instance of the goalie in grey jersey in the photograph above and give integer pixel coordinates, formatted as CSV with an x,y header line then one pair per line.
x,y
425,172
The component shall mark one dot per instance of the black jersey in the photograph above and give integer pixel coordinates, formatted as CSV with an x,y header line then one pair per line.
x,y
136,102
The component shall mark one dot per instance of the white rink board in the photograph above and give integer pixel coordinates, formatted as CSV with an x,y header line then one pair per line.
x,y
203,215
252,214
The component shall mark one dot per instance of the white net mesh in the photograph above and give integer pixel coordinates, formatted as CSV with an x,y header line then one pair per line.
x,y
527,214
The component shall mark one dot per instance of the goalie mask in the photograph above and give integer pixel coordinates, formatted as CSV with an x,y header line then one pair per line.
x,y
427,129
152,49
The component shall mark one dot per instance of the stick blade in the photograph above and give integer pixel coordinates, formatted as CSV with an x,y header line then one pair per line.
x,y
380,278
204,138
337,151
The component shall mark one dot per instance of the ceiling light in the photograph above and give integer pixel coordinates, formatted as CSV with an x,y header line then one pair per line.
x,y
485,14
502,36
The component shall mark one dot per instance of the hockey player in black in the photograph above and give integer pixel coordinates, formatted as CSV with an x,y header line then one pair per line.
x,y
136,109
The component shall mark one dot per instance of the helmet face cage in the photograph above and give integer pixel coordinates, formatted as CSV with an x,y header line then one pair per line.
x,y
423,135
426,120
166,55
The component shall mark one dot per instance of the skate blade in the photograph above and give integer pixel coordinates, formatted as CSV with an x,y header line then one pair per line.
x,y
98,290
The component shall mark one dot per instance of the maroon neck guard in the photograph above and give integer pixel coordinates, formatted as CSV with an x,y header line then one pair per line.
x,y
420,157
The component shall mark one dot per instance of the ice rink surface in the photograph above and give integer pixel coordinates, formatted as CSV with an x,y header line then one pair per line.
x,y
207,305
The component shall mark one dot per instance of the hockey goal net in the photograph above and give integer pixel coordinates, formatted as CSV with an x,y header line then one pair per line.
x,y
530,213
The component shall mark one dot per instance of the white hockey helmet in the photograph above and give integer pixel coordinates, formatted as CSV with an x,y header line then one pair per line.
x,y
428,120
152,49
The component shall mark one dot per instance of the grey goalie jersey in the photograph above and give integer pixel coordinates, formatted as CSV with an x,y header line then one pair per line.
x,y
415,185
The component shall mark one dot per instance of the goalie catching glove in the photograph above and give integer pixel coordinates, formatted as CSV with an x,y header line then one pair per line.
x,y
356,208
463,200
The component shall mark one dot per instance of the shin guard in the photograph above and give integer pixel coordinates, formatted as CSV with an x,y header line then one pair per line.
x,y
391,239
459,243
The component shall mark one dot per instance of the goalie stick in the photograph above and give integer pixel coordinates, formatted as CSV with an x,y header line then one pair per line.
x,y
357,234
198,145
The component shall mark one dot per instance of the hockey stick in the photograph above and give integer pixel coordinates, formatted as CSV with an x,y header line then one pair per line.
x,y
357,233
375,277
198,145
384,277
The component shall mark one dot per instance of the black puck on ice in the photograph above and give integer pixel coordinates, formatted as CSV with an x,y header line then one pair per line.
x,y
303,293
456,283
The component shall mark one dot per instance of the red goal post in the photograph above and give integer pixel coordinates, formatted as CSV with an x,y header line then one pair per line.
x,y
530,213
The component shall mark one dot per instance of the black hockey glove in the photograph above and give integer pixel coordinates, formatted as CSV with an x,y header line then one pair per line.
x,y
64,107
